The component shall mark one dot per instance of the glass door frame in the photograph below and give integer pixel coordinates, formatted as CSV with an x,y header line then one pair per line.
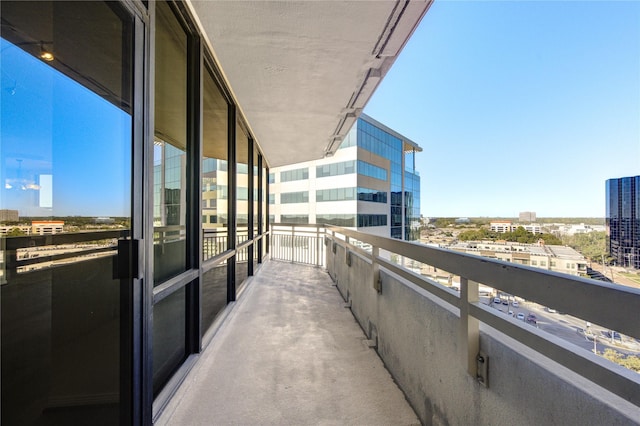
x,y
133,351
190,278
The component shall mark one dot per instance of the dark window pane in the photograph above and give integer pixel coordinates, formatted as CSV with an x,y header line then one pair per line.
x,y
170,147
214,294
214,168
169,331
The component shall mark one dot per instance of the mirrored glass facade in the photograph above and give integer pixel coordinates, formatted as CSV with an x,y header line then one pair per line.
x,y
370,183
623,220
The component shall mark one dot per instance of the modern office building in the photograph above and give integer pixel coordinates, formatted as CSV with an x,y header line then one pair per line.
x,y
369,184
623,220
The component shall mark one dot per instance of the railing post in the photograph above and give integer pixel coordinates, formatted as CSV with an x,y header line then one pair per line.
x,y
270,240
469,326
317,245
293,246
375,267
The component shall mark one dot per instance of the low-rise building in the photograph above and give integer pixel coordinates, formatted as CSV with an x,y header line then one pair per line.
x,y
505,226
6,229
47,227
551,257
501,226
573,229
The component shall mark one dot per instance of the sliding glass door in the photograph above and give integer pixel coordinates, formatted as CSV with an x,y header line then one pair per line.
x,y
66,164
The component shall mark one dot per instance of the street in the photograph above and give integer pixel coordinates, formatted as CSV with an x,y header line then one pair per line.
x,y
569,328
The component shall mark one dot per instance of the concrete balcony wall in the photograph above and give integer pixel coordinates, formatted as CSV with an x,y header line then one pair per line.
x,y
418,340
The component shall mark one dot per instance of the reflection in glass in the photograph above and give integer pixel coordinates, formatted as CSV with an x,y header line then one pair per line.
x,y
65,168
214,199
256,218
242,266
169,333
242,205
214,294
170,147
214,170
265,206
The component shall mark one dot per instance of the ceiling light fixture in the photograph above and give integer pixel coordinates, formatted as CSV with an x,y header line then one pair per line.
x,y
45,55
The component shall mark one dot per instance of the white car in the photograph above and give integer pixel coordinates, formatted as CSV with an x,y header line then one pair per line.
x,y
515,304
520,316
496,300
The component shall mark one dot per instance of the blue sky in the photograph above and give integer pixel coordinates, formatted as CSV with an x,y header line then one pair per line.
x,y
519,106
55,129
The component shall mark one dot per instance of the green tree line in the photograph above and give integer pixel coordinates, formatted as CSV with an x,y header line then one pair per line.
x,y
592,245
520,235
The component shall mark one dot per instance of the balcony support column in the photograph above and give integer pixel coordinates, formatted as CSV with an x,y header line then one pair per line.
x,y
375,267
347,253
469,326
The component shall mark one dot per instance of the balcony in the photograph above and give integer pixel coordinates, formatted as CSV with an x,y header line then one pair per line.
x,y
295,359
289,351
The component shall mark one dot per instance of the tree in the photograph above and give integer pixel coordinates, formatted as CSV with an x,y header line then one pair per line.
x,y
15,232
630,361
476,234
592,245
443,222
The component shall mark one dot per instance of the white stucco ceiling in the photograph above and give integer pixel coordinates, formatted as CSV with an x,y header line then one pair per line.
x,y
301,71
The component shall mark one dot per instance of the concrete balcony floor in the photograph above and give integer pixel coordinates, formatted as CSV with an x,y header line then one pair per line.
x,y
289,353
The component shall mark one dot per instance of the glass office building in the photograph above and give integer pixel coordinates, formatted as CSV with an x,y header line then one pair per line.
x,y
370,184
623,220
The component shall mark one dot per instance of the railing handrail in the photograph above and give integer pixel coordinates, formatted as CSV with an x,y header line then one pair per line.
x,y
31,241
609,305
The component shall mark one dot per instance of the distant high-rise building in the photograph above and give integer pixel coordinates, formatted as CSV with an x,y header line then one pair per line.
x,y
7,215
527,217
623,220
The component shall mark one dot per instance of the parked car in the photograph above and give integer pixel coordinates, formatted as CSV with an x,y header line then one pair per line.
x,y
520,316
532,319
515,304
616,335
496,300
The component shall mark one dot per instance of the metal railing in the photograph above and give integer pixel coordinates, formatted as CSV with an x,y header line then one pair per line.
x,y
609,305
298,243
33,252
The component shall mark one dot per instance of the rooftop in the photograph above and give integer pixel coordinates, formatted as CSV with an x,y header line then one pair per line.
x,y
561,252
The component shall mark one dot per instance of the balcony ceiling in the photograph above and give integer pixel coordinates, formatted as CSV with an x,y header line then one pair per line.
x,y
302,71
